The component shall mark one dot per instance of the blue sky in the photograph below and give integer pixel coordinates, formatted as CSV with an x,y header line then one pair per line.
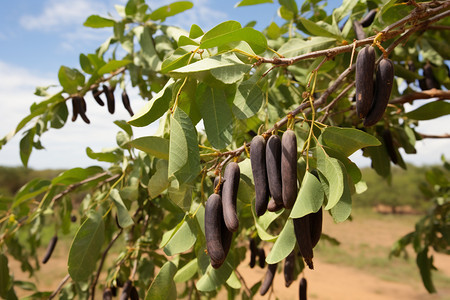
x,y
37,37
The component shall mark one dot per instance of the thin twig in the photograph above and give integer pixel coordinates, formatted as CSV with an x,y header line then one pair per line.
x,y
433,93
60,286
335,100
100,266
434,136
241,279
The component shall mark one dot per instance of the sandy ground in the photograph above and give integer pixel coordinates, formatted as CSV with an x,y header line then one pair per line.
x,y
328,280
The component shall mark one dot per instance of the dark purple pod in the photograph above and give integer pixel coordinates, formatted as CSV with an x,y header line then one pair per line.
x,y
273,206
126,103
258,162
389,144
315,225
50,249
96,94
229,195
273,166
261,257
268,279
365,67
289,266
302,289
213,230
430,80
368,19
289,168
359,32
302,232
110,100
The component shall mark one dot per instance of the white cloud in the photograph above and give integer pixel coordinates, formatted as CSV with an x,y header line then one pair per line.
x,y
57,14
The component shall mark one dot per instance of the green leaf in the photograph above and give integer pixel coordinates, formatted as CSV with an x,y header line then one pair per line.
x,y
123,215
380,160
351,168
5,279
60,114
163,287
125,127
30,190
333,170
248,99
195,31
309,198
347,140
187,271
295,46
113,65
26,146
154,145
430,111
149,56
317,30
217,118
254,38
182,239
252,2
184,157
70,79
342,210
170,10
178,59
107,155
221,29
96,21
76,175
86,246
343,10
233,281
214,278
155,108
284,244
159,182
425,265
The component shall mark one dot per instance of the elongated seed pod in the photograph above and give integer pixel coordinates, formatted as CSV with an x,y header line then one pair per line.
x,y
134,295
383,88
261,258
110,101
302,289
253,252
126,290
368,19
76,108
423,84
50,248
227,238
289,266
303,235
114,290
229,195
273,166
359,32
213,230
289,168
273,206
126,102
389,144
258,162
365,67
107,294
430,80
83,111
315,225
268,279
96,94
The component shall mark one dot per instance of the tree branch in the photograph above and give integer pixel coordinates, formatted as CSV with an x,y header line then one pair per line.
x,y
433,136
241,279
433,93
60,286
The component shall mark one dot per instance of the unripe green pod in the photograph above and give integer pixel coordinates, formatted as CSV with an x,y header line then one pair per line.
x,y
273,206
303,235
273,166
289,266
253,252
430,80
107,294
368,19
365,67
50,248
383,87
289,168
229,195
126,103
96,94
258,162
261,258
268,279
302,289
389,144
110,100
315,225
213,230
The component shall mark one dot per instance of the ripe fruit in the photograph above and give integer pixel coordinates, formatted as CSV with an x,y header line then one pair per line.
x,y
389,144
383,86
359,32
368,19
107,294
303,235
253,252
126,102
268,279
213,230
261,258
258,162
96,94
289,266
50,248
110,101
229,196
273,206
134,295
273,165
302,289
315,225
126,290
430,80
365,66
289,168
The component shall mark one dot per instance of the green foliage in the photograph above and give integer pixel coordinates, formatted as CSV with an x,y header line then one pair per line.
x,y
211,92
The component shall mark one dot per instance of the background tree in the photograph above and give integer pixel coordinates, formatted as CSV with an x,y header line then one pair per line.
x,y
237,82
